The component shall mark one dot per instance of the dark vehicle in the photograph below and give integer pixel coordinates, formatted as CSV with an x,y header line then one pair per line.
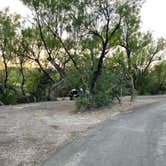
x,y
73,94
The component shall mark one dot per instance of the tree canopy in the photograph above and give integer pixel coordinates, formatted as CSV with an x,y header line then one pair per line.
x,y
93,45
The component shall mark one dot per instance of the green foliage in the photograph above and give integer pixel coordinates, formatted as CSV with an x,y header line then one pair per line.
x,y
7,96
154,81
158,79
83,104
110,86
93,45
37,85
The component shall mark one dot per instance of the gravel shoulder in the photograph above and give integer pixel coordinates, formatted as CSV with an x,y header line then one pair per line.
x,y
30,133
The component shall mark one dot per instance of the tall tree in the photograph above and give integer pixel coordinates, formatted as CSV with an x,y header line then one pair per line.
x,y
8,30
140,48
70,23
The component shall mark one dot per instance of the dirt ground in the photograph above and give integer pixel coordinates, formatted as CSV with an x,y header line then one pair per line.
x,y
30,133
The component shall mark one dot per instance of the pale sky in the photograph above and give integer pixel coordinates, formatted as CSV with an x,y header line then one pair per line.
x,y
153,14
15,6
154,17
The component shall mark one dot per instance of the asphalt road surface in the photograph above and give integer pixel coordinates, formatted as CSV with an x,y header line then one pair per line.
x,y
136,138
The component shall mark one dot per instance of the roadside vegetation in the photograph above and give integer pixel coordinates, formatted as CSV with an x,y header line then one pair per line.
x,y
93,45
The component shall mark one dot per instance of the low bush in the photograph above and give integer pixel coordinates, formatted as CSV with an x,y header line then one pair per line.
x,y
8,96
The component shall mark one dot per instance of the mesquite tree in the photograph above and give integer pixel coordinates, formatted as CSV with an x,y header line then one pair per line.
x,y
74,26
9,25
140,48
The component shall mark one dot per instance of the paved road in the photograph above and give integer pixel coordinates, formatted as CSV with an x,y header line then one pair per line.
x,y
136,138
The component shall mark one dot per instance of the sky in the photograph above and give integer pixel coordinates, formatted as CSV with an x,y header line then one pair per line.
x,y
153,14
15,6
154,17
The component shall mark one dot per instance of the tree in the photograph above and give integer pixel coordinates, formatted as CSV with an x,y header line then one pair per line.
x,y
35,52
156,79
45,21
69,24
141,50
8,30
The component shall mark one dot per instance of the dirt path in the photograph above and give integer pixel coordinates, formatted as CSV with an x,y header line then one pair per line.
x,y
30,133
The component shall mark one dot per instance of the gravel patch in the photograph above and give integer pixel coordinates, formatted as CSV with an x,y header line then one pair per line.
x,y
30,133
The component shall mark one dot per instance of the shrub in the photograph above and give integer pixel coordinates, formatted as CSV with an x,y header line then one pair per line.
x,y
108,87
83,104
37,85
8,96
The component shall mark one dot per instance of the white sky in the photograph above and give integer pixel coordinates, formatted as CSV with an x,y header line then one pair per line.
x,y
15,6
153,14
154,17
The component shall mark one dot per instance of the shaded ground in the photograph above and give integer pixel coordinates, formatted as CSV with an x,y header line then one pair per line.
x,y
30,133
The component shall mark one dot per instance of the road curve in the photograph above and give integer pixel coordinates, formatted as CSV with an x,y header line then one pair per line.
x,y
137,138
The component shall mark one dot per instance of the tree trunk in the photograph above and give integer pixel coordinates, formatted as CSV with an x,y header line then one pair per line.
x,y
97,73
108,37
44,71
132,84
53,87
57,67
6,70
23,78
132,89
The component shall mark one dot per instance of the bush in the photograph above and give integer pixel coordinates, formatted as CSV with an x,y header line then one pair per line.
x,y
102,99
83,104
108,87
8,97
37,85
